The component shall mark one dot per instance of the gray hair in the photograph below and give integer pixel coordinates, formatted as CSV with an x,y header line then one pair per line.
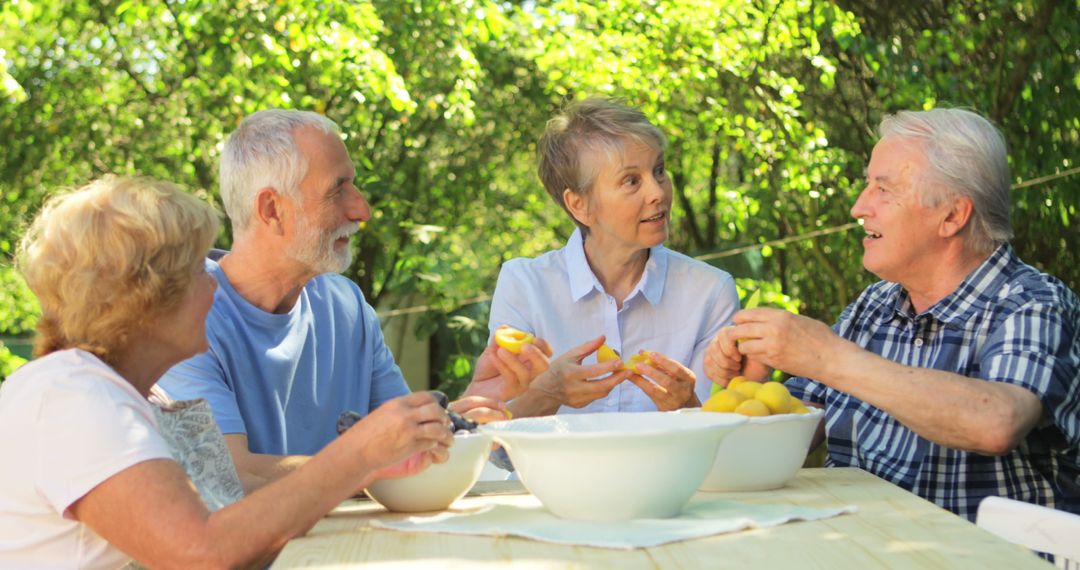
x,y
594,124
262,152
967,158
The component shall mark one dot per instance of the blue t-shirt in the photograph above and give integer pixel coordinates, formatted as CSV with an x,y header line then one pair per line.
x,y
283,380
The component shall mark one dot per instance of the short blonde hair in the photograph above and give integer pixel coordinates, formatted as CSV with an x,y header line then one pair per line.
x,y
110,257
597,124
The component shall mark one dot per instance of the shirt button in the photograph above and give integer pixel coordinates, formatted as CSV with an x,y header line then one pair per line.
x,y
918,342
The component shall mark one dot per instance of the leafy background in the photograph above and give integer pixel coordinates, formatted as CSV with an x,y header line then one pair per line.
x,y
770,107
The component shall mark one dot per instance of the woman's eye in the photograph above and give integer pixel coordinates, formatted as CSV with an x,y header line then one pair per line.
x,y
630,181
660,171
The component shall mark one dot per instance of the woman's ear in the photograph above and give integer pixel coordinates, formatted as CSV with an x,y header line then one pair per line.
x,y
578,206
268,210
956,217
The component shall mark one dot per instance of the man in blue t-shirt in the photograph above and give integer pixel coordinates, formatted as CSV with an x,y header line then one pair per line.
x,y
957,377
293,344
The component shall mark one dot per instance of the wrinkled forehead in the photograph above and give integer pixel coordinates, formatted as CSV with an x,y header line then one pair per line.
x,y
325,159
896,156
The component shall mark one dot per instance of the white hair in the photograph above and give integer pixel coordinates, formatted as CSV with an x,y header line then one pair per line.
x,y
262,152
967,157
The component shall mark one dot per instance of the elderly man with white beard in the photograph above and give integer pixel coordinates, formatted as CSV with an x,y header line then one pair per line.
x,y
293,344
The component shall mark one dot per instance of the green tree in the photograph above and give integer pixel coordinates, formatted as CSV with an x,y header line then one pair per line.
x,y
770,108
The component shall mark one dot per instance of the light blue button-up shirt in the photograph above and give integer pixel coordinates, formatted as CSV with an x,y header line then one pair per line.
x,y
675,309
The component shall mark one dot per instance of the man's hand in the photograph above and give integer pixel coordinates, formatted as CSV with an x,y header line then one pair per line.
x,y
723,361
795,344
668,383
502,375
567,382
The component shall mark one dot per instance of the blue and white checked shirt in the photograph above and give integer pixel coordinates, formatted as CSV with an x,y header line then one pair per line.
x,y
1006,322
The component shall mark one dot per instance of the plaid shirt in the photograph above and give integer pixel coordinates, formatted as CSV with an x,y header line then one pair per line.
x,y
1005,323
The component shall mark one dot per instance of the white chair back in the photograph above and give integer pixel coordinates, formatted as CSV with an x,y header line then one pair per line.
x,y
1039,528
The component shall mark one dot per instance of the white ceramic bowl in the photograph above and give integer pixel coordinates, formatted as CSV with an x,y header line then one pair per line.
x,y
764,453
438,486
615,466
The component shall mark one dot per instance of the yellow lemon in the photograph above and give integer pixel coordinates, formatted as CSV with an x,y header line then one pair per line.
x,y
723,401
752,408
748,388
512,339
797,407
642,357
734,382
606,353
775,397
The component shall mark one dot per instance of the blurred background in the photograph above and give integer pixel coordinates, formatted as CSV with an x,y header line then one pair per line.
x,y
770,108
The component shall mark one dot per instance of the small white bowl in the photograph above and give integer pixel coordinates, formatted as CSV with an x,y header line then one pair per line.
x,y
764,453
438,486
613,466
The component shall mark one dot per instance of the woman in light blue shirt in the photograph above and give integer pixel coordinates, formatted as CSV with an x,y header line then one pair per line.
x,y
614,282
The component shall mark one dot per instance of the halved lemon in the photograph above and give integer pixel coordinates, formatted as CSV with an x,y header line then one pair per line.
x,y
512,339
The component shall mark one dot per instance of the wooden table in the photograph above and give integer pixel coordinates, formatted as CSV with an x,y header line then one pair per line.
x,y
892,529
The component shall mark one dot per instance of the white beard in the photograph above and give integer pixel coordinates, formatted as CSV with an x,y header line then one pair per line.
x,y
317,250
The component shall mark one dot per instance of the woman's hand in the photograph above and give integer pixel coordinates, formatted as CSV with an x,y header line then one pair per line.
x,y
503,375
480,409
568,382
668,383
414,429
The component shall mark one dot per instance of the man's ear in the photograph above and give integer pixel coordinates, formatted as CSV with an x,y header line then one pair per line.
x,y
578,206
269,211
956,217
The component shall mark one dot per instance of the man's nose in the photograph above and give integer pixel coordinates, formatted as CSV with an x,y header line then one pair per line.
x,y
859,209
358,209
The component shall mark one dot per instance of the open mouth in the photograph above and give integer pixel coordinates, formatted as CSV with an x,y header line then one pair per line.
x,y
658,217
870,234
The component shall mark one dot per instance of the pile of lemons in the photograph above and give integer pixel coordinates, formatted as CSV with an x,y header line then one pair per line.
x,y
751,398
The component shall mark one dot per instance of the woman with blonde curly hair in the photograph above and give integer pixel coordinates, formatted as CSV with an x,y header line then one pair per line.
x,y
96,474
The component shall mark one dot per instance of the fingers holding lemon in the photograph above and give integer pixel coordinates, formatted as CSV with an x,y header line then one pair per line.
x,y
512,339
605,354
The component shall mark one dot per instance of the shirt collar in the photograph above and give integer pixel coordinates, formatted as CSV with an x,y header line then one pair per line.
x,y
976,290
583,280
972,295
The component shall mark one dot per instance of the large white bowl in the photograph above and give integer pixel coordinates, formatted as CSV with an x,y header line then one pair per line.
x,y
438,486
764,453
615,466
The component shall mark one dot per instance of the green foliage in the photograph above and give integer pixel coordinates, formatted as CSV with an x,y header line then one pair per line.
x,y
463,336
8,362
18,314
770,110
20,309
764,294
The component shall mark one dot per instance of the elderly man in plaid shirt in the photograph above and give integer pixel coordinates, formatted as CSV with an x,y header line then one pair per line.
x,y
957,376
